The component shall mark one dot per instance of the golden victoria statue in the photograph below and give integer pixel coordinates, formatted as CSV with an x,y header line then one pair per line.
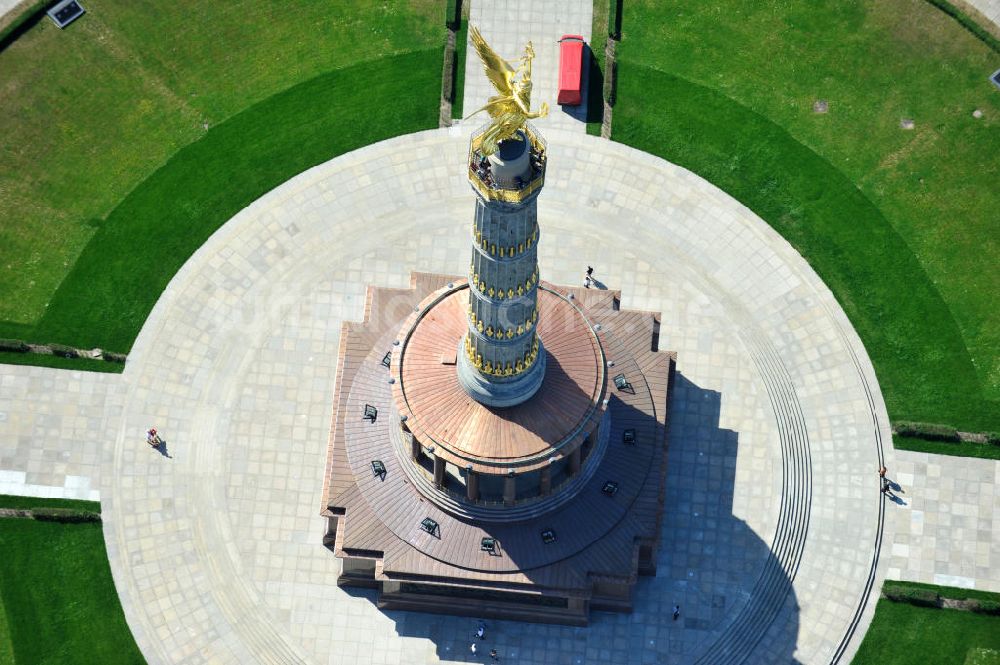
x,y
512,107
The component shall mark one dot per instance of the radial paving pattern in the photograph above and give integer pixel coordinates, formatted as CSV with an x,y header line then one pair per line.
x,y
773,511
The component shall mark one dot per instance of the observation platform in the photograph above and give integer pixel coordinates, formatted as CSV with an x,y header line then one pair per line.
x,y
494,189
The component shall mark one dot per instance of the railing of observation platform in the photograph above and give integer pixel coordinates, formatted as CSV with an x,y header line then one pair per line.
x,y
481,177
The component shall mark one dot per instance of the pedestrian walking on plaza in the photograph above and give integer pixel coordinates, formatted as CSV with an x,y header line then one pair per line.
x,y
886,487
156,443
677,612
493,654
472,648
481,630
587,279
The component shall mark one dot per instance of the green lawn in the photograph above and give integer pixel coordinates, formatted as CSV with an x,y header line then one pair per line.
x,y
28,502
903,634
58,601
91,113
6,641
899,224
115,282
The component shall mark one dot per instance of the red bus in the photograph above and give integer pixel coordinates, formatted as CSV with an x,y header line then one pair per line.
x,y
570,69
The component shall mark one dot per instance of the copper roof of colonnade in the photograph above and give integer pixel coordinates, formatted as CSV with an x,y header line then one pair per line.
x,y
439,412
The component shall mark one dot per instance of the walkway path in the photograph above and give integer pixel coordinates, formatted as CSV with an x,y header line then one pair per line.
x,y
948,521
508,25
772,525
52,432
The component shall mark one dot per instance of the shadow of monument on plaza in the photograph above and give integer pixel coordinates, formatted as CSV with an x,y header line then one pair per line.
x,y
733,587
735,597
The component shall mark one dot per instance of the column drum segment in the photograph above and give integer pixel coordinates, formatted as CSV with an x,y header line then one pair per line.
x,y
502,359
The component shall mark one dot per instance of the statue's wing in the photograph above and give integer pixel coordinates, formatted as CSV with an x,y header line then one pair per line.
x,y
498,70
496,106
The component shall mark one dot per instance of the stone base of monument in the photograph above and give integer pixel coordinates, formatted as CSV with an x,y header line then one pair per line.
x,y
539,512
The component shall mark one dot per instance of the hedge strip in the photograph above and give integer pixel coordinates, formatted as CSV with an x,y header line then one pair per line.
x,y
64,515
61,350
968,23
20,19
44,514
935,432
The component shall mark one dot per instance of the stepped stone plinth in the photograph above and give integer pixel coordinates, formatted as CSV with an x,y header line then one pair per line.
x,y
537,512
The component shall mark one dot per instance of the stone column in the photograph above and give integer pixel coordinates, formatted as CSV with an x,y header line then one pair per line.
x,y
471,484
414,446
545,483
574,462
439,465
510,488
501,359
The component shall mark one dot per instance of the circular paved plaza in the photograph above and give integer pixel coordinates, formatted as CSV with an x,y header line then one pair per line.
x,y
773,520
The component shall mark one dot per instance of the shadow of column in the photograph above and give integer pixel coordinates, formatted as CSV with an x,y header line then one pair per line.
x,y
736,599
